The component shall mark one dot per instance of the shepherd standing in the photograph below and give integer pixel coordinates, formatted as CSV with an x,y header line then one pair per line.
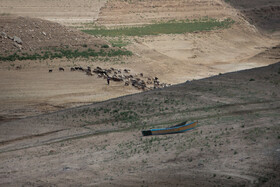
x,y
108,80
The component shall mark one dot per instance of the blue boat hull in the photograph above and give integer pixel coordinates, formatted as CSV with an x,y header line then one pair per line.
x,y
180,128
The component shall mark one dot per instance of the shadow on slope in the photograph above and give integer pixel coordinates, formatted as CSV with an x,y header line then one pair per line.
x,y
262,13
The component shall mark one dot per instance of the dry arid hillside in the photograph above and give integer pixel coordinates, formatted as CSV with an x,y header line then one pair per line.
x,y
261,13
62,11
36,35
236,142
132,12
64,123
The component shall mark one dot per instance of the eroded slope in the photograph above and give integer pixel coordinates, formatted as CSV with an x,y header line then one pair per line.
x,y
264,14
119,12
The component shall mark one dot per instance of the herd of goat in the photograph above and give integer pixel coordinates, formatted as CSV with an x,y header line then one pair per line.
x,y
138,81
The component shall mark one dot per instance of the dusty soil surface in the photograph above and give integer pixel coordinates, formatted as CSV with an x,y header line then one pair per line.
x,y
236,142
66,12
177,58
118,12
36,91
28,88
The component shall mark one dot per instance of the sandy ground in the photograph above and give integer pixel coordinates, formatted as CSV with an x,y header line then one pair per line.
x,y
193,56
118,12
33,90
61,11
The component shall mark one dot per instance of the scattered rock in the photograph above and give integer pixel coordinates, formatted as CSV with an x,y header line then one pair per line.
x,y
200,164
19,67
44,33
17,40
3,34
18,46
66,168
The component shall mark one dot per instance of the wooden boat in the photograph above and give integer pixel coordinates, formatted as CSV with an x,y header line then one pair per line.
x,y
182,127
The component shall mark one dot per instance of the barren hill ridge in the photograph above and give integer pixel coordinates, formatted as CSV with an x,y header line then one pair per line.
x,y
35,35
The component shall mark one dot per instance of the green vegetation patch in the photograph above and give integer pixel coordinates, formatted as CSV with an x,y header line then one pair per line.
x,y
127,116
67,53
119,43
171,27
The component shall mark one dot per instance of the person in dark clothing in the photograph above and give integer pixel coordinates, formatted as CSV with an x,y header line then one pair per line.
x,y
108,80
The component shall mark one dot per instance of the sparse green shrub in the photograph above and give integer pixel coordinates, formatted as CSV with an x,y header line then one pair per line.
x,y
127,116
263,179
105,46
68,53
119,43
